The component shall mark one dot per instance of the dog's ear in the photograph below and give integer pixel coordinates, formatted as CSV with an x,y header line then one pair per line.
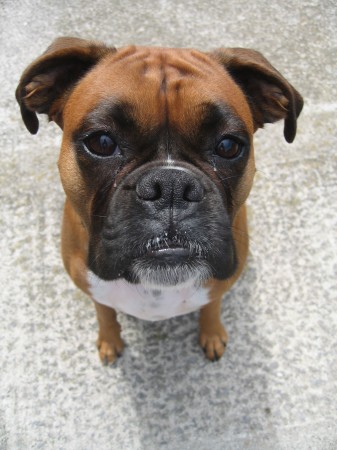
x,y
269,94
47,82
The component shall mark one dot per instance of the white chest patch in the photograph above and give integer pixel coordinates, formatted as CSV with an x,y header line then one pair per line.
x,y
147,304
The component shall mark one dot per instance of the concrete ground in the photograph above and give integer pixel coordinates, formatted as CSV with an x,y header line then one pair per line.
x,y
276,387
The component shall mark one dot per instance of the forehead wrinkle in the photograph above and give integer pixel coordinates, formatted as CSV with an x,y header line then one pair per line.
x,y
117,111
210,118
215,114
118,114
118,117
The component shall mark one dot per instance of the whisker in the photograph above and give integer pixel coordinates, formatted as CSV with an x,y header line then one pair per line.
x,y
244,234
264,174
228,178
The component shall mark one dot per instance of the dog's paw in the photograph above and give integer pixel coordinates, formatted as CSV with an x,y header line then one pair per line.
x,y
109,351
213,342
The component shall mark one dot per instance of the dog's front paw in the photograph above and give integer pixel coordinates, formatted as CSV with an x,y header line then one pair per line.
x,y
213,341
110,351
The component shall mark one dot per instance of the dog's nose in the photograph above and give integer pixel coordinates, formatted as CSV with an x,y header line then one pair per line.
x,y
169,187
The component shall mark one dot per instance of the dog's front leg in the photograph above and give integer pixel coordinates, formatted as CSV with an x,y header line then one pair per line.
x,y
109,343
213,337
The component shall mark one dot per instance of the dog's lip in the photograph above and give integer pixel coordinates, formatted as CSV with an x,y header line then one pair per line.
x,y
169,255
172,249
162,245
167,252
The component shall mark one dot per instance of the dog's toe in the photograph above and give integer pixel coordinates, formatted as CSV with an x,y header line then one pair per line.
x,y
109,351
214,343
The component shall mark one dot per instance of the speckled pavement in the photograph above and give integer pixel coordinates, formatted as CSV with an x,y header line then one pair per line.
x,y
276,387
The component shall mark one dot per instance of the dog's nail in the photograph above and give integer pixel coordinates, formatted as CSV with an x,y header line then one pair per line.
x,y
215,357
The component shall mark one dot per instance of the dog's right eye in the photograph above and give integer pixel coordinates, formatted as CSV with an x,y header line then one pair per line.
x,y
101,144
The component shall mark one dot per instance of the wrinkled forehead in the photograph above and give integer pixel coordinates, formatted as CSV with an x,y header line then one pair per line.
x,y
154,86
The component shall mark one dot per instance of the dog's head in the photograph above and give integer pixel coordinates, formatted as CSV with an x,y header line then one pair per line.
x,y
157,154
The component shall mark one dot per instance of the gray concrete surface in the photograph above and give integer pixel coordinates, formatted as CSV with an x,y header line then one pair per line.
x,y
276,387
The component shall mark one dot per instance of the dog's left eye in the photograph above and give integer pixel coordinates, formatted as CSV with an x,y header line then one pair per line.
x,y
229,148
100,144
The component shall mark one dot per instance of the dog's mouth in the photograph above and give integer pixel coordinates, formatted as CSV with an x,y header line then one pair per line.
x,y
168,261
172,249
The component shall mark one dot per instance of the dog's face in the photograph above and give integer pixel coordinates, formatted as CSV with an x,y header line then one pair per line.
x,y
163,160
157,154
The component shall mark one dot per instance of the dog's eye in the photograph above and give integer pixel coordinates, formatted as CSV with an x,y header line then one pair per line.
x,y
100,144
229,148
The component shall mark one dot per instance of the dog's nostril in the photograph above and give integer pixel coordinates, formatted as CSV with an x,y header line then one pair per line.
x,y
193,192
149,191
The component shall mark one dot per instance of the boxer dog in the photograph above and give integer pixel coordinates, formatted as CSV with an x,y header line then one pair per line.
x,y
156,162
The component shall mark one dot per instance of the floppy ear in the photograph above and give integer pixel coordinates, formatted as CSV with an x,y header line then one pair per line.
x,y
269,95
48,81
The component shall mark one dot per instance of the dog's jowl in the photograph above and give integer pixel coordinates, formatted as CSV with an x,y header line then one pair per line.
x,y
156,162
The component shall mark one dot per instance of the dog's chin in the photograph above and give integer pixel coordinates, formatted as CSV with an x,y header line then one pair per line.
x,y
155,274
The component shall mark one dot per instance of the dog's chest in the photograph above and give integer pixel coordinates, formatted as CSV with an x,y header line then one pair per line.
x,y
147,304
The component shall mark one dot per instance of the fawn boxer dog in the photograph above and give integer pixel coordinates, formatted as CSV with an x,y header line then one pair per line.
x,y
156,162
